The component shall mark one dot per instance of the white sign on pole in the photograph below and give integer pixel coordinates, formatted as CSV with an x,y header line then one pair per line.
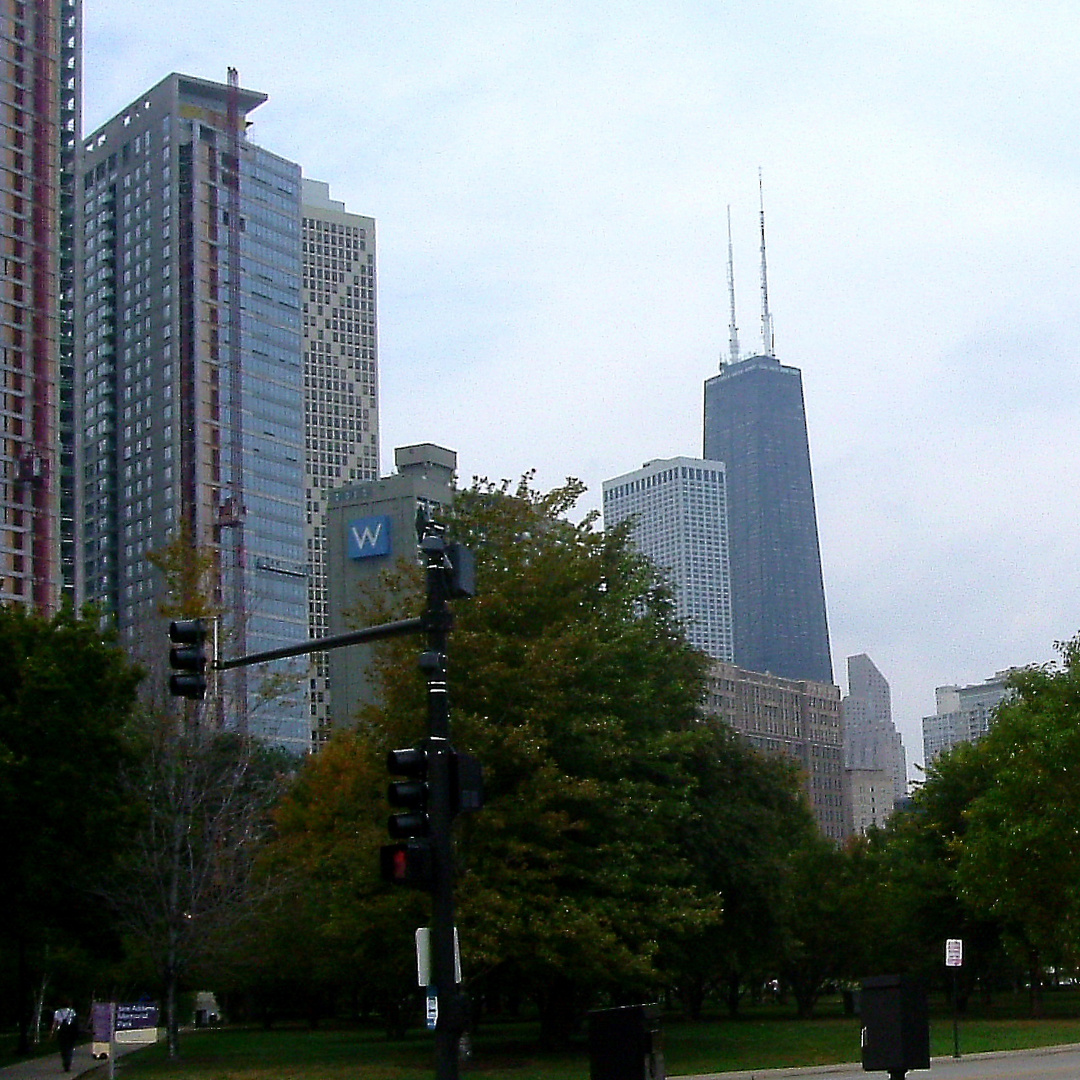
x,y
423,956
954,952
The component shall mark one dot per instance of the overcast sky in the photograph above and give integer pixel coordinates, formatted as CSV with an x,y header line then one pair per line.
x,y
550,177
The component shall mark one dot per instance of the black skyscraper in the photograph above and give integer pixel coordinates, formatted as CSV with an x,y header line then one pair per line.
x,y
756,424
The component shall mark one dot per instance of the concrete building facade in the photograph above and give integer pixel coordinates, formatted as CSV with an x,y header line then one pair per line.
x,y
371,528
871,798
871,743
797,718
341,411
679,512
192,378
40,85
755,423
964,714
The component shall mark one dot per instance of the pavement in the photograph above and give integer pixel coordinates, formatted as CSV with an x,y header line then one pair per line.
x,y
1045,1063
49,1067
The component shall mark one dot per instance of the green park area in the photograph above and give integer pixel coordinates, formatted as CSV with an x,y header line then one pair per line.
x,y
767,1037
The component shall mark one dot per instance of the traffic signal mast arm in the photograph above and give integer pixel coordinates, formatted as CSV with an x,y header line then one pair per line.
x,y
335,641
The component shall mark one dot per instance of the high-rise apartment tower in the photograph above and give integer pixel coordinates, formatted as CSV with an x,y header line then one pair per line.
x,y
193,382
679,513
40,42
964,714
341,404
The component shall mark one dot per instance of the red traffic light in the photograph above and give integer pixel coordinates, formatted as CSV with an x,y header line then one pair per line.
x,y
408,863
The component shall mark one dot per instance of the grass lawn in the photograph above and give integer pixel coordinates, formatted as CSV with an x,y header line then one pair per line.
x,y
769,1039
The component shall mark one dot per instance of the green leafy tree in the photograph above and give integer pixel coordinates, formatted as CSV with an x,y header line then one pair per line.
x,y
1019,860
824,921
915,859
358,935
66,692
750,816
572,683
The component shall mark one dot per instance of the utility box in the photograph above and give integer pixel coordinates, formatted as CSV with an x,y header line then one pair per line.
x,y
895,1025
624,1044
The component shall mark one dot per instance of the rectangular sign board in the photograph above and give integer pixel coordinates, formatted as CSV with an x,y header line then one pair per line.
x,y
367,537
423,956
136,1023
954,952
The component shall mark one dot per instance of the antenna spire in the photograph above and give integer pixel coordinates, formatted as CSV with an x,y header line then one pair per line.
x,y
766,316
733,330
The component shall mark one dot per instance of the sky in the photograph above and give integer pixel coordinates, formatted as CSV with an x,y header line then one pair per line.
x,y
550,182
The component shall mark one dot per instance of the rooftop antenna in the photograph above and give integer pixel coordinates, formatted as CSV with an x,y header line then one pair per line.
x,y
733,330
766,316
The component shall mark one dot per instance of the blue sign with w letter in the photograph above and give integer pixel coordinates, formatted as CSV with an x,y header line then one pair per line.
x,y
368,537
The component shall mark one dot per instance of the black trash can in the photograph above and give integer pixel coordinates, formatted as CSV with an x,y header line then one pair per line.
x,y
624,1043
895,1025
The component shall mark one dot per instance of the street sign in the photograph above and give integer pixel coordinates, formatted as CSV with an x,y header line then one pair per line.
x,y
954,952
423,956
432,1008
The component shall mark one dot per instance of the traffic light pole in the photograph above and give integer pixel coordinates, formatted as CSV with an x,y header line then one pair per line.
x,y
450,1021
452,780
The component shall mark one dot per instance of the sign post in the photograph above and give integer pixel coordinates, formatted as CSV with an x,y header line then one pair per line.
x,y
954,958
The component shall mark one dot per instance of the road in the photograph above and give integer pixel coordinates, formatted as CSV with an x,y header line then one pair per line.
x,y
1048,1063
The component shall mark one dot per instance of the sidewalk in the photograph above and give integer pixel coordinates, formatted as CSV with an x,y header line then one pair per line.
x,y
49,1067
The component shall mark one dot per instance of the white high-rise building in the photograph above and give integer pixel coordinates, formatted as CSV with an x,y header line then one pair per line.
x,y
964,714
341,405
679,510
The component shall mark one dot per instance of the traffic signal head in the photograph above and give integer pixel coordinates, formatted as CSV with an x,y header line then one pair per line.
x,y
187,658
407,863
410,795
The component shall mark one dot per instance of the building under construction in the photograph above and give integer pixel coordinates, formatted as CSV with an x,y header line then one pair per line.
x,y
40,86
192,380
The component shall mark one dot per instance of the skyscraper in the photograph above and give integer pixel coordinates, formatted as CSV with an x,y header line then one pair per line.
x,y
755,423
341,405
680,522
871,741
192,378
40,82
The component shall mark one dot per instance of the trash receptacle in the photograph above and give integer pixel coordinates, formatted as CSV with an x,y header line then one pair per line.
x,y
624,1043
895,1025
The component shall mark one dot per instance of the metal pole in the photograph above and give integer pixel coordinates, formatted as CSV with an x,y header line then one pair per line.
x,y
955,1015
437,619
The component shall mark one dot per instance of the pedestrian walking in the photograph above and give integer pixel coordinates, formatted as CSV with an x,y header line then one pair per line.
x,y
65,1028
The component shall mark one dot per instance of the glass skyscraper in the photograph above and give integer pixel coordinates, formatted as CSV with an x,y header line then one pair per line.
x,y
192,378
755,423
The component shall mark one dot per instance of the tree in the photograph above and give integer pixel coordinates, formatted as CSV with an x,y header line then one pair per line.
x,y
1019,860
750,817
573,684
66,692
184,890
916,858
823,921
358,935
